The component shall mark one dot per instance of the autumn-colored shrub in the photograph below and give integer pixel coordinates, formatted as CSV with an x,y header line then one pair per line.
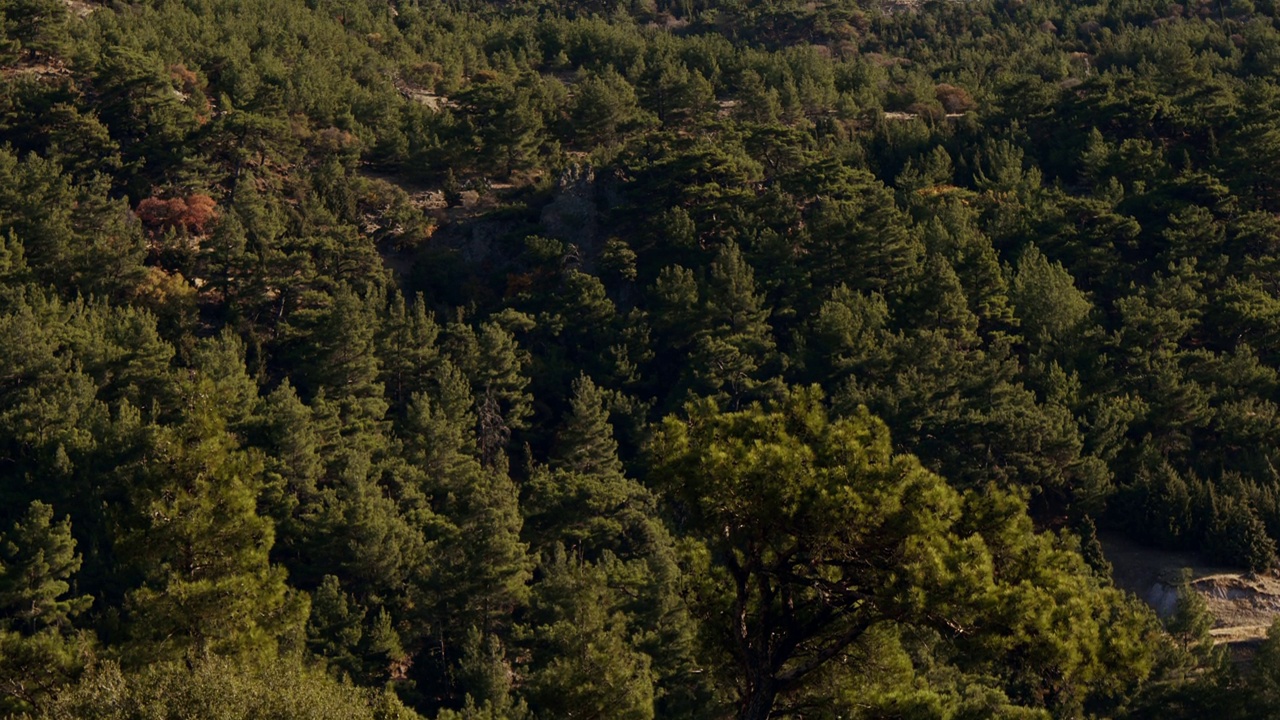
x,y
954,99
191,214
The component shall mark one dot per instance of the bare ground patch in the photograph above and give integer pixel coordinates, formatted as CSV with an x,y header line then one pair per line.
x,y
1243,604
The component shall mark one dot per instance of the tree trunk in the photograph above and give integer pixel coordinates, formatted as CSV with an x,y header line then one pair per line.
x,y
759,705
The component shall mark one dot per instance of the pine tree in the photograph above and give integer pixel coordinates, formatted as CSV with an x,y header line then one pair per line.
x,y
334,630
941,304
603,108
582,499
477,569
856,234
440,429
202,550
292,443
1237,536
1191,620
485,671
782,497
221,360
1091,548
585,444
583,663
13,267
35,25
407,349
1262,679
365,531
332,347
849,333
504,122
487,561
736,344
499,383
953,232
1046,301
37,558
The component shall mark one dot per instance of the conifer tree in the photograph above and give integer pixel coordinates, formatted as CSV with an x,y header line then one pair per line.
x,y
584,665
334,630
407,349
221,360
585,443
333,348
504,122
488,566
604,105
1046,301
1237,536
1262,685
202,550
485,672
495,363
40,652
1191,620
756,489
848,333
36,669
37,26
371,532
440,429
582,499
37,558
479,568
816,533
736,343
292,444
1091,548
941,305
856,234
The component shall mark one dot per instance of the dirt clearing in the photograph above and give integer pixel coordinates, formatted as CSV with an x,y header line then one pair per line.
x,y
1243,604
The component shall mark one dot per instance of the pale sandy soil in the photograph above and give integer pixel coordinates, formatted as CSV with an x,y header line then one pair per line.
x,y
1243,604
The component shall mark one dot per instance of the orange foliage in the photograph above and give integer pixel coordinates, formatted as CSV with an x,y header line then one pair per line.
x,y
191,214
192,89
954,99
187,79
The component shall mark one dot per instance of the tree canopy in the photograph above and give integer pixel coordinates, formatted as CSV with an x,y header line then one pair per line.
x,y
698,359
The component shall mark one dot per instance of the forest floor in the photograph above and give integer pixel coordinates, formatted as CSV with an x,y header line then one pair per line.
x,y
1243,604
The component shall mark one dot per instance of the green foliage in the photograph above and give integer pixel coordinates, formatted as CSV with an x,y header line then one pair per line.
x,y
586,444
604,107
37,558
584,663
1190,622
33,25
1049,305
335,333
36,668
1091,548
504,124
583,500
39,650
819,533
201,549
219,688
1237,536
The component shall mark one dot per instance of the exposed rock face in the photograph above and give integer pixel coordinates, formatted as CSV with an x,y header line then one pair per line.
x,y
1162,597
573,216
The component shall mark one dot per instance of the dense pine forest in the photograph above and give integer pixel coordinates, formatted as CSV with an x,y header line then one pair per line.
x,y
549,359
